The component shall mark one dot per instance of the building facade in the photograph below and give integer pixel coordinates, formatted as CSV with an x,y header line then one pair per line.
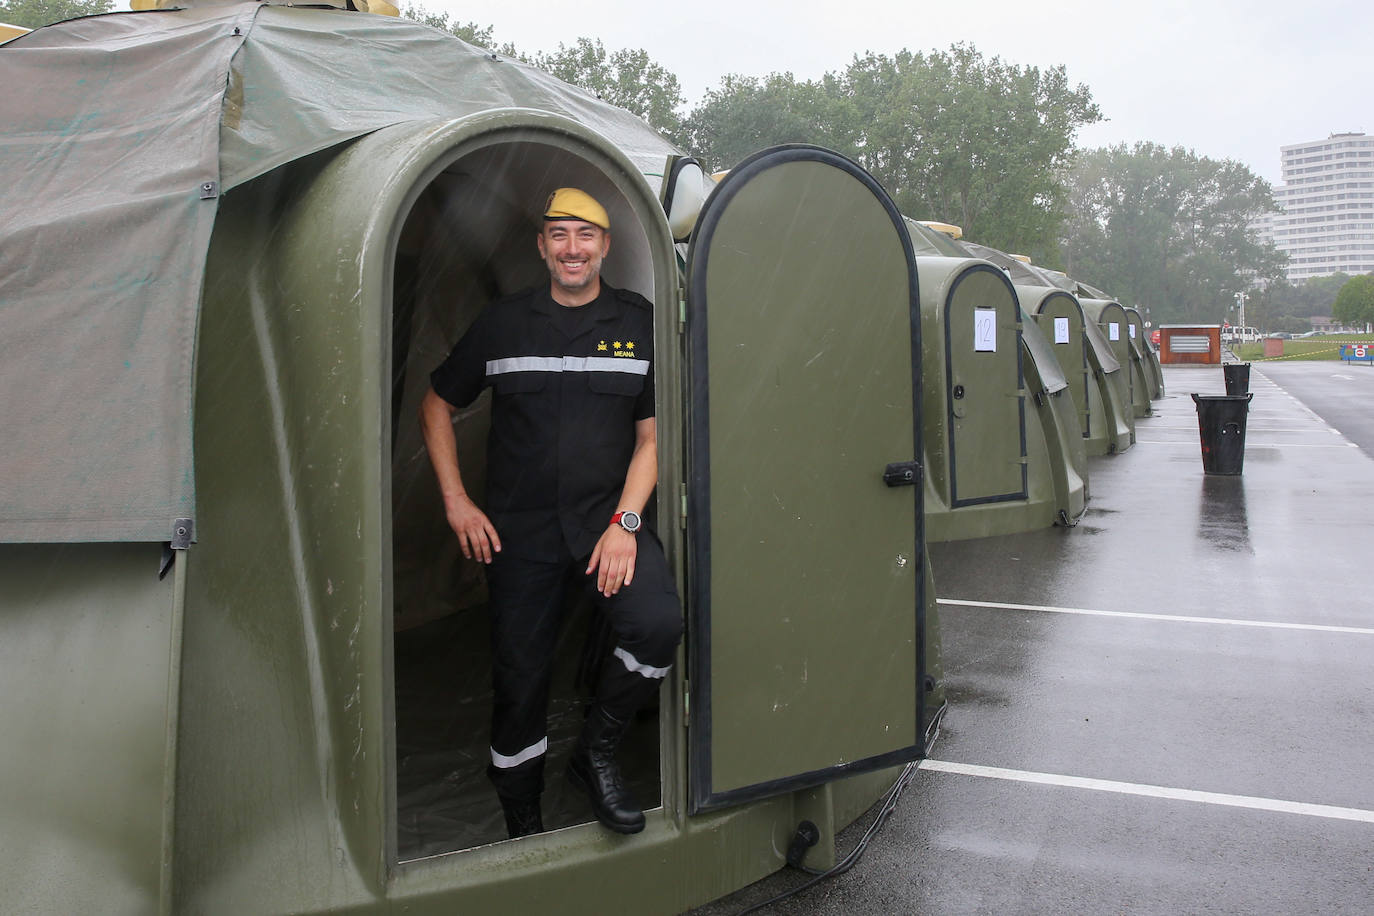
x,y
1326,221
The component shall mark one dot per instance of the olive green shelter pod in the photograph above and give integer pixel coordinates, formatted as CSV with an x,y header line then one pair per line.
x,y
1108,398
1142,354
1049,391
1049,297
1060,319
90,654
252,731
987,463
1058,392
1105,323
1147,352
1012,402
1111,319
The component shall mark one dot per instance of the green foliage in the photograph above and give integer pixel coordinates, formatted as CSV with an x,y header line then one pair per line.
x,y
627,78
1302,300
1289,323
951,135
746,114
471,32
977,142
1354,304
33,14
1168,230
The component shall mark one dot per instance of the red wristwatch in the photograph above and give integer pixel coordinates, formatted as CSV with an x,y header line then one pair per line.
x,y
628,520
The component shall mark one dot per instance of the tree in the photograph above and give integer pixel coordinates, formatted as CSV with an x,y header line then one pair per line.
x,y
627,78
746,114
1288,323
471,32
1168,229
1306,299
974,141
949,134
33,14
1355,302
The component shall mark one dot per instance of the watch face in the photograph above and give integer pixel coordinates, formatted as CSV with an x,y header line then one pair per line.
x,y
629,521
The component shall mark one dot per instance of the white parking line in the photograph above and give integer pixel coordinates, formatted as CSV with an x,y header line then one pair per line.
x,y
1252,445
1308,410
1170,618
1250,427
1134,788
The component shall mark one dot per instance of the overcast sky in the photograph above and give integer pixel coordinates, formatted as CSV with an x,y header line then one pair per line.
x,y
1226,78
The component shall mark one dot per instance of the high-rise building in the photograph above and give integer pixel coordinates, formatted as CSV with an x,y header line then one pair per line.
x,y
1326,222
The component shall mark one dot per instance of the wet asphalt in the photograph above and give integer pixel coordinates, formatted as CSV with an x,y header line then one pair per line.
x,y
1168,708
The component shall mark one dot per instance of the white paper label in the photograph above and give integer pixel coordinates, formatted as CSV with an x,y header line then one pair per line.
x,y
1131,328
985,330
1113,331
1061,330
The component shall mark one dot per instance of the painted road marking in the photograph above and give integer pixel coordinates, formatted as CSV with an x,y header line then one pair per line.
x,y
1248,447
1171,618
1301,405
1134,788
1250,427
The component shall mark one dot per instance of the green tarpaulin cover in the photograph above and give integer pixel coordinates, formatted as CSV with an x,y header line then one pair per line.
x,y
112,158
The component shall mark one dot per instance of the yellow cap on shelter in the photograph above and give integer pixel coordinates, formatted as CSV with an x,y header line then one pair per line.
x,y
571,203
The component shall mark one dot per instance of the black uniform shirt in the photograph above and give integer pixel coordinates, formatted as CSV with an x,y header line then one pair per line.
x,y
565,399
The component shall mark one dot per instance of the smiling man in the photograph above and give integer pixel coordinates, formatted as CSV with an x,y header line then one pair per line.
x,y
572,460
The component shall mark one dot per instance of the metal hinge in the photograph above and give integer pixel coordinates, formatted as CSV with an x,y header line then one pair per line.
x,y
681,310
682,523
686,703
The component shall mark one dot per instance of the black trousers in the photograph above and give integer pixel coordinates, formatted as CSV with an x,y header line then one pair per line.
x,y
526,602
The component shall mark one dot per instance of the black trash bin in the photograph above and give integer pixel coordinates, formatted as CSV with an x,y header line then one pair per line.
x,y
1221,426
1237,377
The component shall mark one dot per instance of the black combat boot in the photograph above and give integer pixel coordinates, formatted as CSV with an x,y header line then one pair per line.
x,y
594,770
522,817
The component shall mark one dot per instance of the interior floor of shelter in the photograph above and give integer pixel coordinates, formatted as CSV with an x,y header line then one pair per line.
x,y
444,800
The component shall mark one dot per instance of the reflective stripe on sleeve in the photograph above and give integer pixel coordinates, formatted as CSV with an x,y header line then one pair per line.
x,y
567,364
502,762
634,665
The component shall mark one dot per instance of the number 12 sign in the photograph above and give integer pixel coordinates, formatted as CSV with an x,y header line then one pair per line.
x,y
985,330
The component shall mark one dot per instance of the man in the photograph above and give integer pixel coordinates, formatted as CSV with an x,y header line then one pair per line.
x,y
571,462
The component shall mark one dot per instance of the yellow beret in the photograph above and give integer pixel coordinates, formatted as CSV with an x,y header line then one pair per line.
x,y
571,203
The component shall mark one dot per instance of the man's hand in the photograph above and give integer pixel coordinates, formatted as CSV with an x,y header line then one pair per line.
x,y
613,560
476,536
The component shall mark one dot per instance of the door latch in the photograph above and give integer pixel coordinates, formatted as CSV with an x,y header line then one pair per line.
x,y
902,474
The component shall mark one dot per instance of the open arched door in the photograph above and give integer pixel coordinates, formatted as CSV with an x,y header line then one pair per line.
x,y
804,499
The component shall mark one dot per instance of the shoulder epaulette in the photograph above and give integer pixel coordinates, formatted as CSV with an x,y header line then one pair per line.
x,y
512,297
633,298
